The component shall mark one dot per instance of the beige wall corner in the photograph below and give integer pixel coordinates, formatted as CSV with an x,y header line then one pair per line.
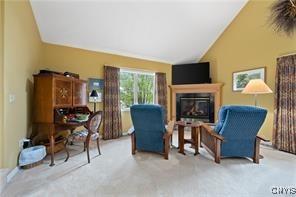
x,y
1,81
249,42
22,49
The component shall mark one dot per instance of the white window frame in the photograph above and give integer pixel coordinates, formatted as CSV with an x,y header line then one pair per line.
x,y
136,88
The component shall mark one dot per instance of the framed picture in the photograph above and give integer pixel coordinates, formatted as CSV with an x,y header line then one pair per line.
x,y
98,85
241,78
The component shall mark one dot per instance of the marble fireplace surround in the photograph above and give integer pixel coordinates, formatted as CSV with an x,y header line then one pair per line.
x,y
213,88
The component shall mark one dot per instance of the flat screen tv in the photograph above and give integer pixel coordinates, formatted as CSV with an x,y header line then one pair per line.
x,y
191,73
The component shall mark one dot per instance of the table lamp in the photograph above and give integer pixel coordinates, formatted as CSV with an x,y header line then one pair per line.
x,y
255,87
96,98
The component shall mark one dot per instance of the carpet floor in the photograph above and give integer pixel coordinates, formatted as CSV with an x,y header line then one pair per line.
x,y
117,173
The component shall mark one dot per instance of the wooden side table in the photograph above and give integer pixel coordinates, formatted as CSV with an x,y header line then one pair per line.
x,y
195,135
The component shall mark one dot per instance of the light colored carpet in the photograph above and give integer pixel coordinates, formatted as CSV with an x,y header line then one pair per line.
x,y
3,177
117,173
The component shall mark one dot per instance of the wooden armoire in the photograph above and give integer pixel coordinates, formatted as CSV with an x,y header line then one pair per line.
x,y
56,95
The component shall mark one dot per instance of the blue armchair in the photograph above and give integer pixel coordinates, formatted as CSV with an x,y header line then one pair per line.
x,y
235,135
149,132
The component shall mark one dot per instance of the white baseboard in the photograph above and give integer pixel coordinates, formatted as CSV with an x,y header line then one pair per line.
x,y
268,144
11,174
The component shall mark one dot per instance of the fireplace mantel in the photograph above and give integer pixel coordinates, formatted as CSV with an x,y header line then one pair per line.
x,y
214,88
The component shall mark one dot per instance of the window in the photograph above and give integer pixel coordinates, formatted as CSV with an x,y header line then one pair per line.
x,y
136,88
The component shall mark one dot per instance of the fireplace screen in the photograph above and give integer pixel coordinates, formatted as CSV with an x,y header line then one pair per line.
x,y
195,107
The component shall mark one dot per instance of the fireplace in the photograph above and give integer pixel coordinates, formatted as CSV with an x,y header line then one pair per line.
x,y
195,107
212,91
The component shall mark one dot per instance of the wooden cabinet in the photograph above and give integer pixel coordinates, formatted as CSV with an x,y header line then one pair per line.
x,y
79,93
53,91
56,91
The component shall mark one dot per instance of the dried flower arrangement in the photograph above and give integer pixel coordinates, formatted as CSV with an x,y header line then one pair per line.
x,y
283,16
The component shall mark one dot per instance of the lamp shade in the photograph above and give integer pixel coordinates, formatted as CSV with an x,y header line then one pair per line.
x,y
94,93
256,86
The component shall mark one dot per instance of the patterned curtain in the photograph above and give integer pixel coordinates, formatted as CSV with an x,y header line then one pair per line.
x,y
112,112
161,91
284,132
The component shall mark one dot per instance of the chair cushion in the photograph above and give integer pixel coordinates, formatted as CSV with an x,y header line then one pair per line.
x,y
149,124
239,126
81,136
143,115
235,108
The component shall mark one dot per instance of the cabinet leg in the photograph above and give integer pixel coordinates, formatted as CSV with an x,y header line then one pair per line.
x,y
71,142
52,150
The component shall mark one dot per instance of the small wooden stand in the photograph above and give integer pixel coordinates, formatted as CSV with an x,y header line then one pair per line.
x,y
195,135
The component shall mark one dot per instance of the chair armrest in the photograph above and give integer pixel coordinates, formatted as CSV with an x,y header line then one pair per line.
x,y
211,131
211,124
263,139
170,128
131,130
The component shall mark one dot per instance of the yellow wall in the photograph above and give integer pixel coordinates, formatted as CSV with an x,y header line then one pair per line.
x,y
22,47
1,83
90,64
249,42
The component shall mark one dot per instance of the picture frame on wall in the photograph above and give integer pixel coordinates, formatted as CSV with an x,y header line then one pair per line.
x,y
98,85
241,78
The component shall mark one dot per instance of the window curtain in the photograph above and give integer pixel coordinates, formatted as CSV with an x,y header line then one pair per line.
x,y
112,113
161,91
284,135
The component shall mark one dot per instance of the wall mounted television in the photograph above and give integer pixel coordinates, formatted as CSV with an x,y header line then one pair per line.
x,y
194,73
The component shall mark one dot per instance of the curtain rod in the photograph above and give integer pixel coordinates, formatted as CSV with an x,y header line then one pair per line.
x,y
137,69
294,53
130,68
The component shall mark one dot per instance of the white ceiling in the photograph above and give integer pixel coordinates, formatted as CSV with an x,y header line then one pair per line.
x,y
170,31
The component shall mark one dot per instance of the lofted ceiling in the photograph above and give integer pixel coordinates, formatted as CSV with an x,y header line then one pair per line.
x,y
170,31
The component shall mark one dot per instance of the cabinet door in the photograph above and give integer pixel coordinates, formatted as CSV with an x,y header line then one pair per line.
x,y
79,93
62,92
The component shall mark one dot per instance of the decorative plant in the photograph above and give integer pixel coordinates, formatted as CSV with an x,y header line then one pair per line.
x,y
283,15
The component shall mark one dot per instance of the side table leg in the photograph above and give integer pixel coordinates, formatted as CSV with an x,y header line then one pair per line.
x,y
181,139
193,136
197,140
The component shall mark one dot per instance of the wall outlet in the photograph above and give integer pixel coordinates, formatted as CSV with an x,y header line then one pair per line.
x,y
22,142
11,98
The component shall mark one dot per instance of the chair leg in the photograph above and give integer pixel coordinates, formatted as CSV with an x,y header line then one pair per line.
x,y
65,147
171,141
98,144
84,146
87,147
166,147
133,141
256,151
217,150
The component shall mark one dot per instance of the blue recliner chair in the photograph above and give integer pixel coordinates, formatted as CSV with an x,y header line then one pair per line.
x,y
149,132
235,135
